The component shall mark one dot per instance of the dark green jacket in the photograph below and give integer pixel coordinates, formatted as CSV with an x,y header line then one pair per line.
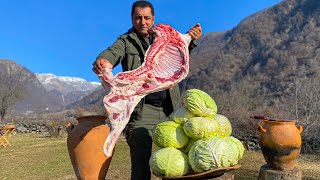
x,y
129,51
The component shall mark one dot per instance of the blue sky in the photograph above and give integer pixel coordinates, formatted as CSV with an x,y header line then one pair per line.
x,y
64,37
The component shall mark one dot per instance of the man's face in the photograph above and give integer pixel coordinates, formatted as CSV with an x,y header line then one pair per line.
x,y
142,20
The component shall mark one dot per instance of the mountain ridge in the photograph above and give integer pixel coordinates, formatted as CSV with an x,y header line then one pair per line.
x,y
65,84
49,92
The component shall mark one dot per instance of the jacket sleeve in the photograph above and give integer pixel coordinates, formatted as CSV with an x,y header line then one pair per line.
x,y
192,45
115,53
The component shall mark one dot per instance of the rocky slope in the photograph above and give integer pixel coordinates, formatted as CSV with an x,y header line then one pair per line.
x,y
274,46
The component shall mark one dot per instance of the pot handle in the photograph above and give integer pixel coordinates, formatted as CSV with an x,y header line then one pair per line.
x,y
300,128
261,129
69,127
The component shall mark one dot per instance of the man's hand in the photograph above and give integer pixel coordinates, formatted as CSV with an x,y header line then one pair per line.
x,y
101,64
103,68
195,32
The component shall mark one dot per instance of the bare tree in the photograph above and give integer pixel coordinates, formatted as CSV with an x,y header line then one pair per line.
x,y
13,88
239,102
307,100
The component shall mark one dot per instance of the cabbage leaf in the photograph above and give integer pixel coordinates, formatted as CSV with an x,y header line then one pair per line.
x,y
208,154
201,127
169,162
225,126
169,134
199,103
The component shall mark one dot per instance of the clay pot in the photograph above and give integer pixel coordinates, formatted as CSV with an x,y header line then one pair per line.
x,y
85,145
280,142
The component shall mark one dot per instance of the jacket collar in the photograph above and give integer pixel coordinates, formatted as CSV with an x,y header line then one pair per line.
x,y
134,36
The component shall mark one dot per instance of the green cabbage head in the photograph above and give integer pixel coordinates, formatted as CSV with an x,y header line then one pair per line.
x,y
181,115
201,127
169,162
187,147
208,154
237,144
199,103
225,126
169,134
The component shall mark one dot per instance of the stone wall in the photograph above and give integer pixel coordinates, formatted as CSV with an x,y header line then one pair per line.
x,y
32,128
37,127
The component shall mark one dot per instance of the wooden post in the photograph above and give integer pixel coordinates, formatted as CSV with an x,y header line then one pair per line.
x,y
266,173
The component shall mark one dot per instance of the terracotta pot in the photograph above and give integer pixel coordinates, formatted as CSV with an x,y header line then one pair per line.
x,y
280,142
85,145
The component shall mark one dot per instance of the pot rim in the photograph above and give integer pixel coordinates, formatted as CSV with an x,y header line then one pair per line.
x,y
280,121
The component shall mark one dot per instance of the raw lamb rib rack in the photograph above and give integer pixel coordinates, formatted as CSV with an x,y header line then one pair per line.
x,y
166,63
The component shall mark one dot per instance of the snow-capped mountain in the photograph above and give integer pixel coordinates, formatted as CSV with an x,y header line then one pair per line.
x,y
66,84
48,92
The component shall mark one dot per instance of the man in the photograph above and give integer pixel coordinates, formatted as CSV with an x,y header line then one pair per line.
x,y
129,49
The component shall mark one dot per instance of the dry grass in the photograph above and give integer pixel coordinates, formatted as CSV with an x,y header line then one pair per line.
x,y
34,156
